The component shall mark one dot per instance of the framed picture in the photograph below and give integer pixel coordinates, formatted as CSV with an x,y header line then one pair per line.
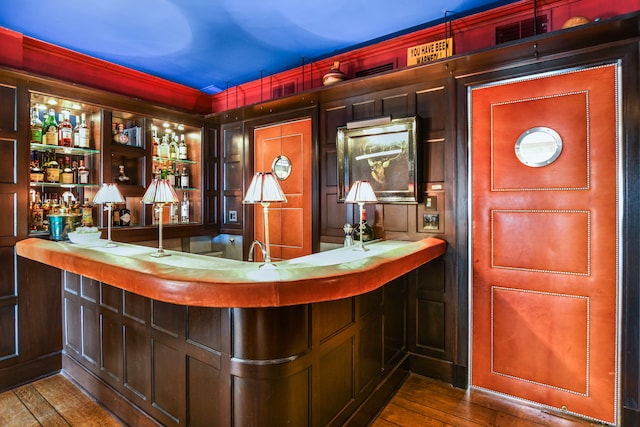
x,y
385,155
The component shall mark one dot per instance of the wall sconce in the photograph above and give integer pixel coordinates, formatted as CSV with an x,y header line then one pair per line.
x,y
159,193
108,195
264,189
361,192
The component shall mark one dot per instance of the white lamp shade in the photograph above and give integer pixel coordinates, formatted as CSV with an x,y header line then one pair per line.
x,y
160,191
361,192
264,188
108,193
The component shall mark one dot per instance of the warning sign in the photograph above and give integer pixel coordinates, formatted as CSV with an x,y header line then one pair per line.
x,y
430,52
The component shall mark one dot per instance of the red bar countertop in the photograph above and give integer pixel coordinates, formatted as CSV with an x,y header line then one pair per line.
x,y
197,280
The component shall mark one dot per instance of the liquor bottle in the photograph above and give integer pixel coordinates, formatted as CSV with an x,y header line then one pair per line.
x,y
74,171
122,176
83,173
86,210
76,133
52,170
36,174
184,178
170,176
367,231
173,148
66,176
65,130
84,136
155,143
50,129
36,126
37,214
184,208
120,137
163,148
125,217
182,149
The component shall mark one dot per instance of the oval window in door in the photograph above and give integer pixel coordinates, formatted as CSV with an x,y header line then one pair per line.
x,y
538,146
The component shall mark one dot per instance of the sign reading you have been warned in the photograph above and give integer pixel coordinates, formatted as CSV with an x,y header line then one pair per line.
x,y
429,52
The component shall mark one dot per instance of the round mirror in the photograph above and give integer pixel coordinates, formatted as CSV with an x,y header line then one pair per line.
x,y
281,167
539,146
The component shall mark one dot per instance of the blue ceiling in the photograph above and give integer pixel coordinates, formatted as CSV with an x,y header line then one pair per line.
x,y
212,44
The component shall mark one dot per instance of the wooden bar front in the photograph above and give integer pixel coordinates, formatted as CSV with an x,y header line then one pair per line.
x,y
153,359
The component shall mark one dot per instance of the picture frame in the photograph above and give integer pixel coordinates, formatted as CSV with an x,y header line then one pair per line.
x,y
386,155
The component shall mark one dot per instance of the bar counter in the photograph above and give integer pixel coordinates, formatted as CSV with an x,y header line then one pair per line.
x,y
201,341
195,280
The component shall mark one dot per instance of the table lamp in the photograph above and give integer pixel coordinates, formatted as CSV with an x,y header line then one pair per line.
x,y
264,189
108,195
159,193
361,192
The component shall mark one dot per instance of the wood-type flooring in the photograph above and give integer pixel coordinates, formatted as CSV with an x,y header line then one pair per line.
x,y
56,401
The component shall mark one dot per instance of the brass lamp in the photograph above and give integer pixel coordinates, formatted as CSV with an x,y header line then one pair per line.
x,y
361,192
159,193
264,189
108,195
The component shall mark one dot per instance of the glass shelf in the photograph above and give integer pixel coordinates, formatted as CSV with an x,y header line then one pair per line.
x,y
72,151
166,159
59,185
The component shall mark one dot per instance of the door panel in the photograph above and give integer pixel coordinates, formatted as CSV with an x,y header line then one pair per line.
x,y
544,242
290,222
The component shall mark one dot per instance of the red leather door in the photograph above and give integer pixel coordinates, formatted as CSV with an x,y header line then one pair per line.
x,y
290,222
544,242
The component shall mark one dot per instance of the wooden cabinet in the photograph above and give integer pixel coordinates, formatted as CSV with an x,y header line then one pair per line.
x,y
124,150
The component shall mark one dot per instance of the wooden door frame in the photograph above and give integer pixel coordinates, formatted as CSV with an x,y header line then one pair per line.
x,y
247,170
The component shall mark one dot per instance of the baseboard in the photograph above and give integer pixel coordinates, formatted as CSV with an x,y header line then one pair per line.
x,y
432,368
106,395
22,373
377,400
630,417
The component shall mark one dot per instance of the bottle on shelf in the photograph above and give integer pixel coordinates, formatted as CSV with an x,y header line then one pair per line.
x,y
84,136
163,148
122,176
173,148
184,208
170,176
65,130
125,217
120,137
174,215
74,171
83,173
182,149
66,176
36,212
36,174
36,126
51,169
367,231
154,141
76,133
50,129
184,178
86,210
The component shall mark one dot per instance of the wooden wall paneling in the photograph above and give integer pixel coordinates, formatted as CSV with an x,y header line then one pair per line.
x,y
8,306
232,176
333,215
395,315
211,178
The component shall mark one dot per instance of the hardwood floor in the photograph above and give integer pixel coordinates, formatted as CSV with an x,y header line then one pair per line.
x,y
56,401
429,403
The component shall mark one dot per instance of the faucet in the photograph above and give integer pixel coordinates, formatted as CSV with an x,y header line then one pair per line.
x,y
262,249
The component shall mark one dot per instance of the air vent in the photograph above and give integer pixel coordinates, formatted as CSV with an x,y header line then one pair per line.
x,y
521,29
375,70
283,90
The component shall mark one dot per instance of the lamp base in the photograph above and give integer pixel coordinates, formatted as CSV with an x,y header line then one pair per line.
x,y
360,248
160,253
110,244
267,266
